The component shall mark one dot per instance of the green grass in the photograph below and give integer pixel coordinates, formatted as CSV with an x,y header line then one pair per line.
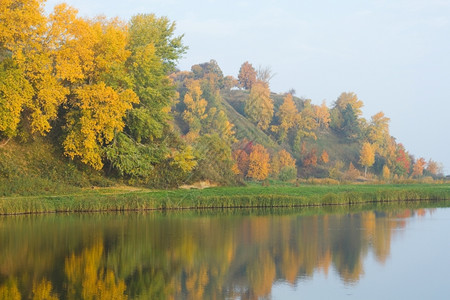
x,y
253,195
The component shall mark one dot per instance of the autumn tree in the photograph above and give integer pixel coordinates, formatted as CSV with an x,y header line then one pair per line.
x,y
386,172
280,160
148,140
27,69
287,116
214,160
154,53
242,161
324,157
310,159
432,167
259,105
220,125
378,132
306,124
345,115
15,93
230,82
247,75
195,110
402,161
259,165
204,112
96,116
98,104
211,72
349,98
418,167
367,156
322,114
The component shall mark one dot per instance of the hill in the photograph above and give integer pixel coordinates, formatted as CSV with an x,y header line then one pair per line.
x,y
106,105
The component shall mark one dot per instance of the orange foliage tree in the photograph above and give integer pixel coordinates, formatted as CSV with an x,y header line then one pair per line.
x,y
324,157
402,160
311,159
418,167
242,161
247,75
259,165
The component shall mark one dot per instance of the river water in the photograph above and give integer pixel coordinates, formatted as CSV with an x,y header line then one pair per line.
x,y
384,252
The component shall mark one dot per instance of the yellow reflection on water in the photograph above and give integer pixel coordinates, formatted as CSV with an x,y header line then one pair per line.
x,y
202,257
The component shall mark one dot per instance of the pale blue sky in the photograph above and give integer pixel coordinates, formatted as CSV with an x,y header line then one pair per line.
x,y
395,54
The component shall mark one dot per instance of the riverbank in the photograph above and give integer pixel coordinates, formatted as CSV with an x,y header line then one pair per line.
x,y
126,199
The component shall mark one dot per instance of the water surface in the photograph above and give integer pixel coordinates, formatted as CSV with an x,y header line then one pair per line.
x,y
382,253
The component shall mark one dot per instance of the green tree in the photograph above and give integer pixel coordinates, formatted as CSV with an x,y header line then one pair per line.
x,y
345,115
148,29
214,160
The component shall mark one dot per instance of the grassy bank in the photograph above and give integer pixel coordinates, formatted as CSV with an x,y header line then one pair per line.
x,y
122,199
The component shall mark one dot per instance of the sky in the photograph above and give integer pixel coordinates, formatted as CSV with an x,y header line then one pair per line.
x,y
394,54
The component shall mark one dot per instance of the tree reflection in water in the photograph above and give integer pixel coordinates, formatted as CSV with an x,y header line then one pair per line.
x,y
194,255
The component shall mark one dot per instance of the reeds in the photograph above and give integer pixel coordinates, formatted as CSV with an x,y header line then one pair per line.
x,y
223,197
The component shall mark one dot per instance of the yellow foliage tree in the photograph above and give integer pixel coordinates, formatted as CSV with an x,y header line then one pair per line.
x,y
26,55
97,116
386,172
15,93
349,98
195,110
259,165
379,132
259,105
322,114
367,156
306,124
280,160
288,116
74,40
184,159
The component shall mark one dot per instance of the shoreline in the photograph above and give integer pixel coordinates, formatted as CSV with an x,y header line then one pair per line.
x,y
224,197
